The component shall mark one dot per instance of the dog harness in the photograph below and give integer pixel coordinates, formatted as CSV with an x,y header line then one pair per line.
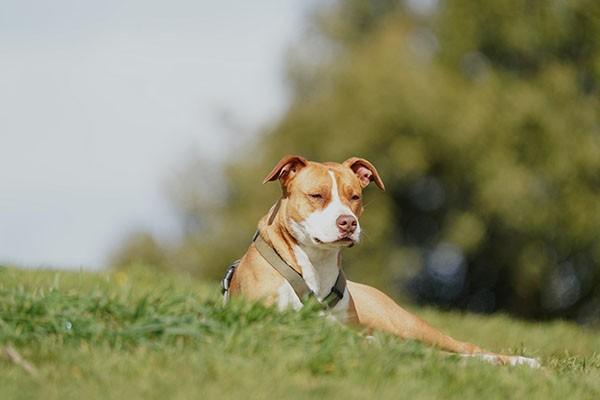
x,y
293,277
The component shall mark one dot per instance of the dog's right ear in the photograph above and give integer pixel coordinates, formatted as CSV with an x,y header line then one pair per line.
x,y
286,168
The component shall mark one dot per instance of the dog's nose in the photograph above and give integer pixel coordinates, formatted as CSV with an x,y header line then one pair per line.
x,y
346,223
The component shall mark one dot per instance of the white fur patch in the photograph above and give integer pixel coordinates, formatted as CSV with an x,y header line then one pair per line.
x,y
319,268
286,298
320,271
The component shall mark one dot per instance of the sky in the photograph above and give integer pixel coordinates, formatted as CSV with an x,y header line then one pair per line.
x,y
101,100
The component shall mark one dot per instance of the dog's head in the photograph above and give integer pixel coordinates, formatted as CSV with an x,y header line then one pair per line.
x,y
324,200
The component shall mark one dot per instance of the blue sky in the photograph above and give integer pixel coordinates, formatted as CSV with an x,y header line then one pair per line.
x,y
100,101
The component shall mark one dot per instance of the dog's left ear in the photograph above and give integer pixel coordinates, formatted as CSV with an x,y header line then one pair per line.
x,y
365,171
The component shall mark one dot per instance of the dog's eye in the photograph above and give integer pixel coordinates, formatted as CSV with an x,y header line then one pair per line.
x,y
315,196
355,197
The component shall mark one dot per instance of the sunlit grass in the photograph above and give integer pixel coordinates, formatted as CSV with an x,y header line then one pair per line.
x,y
141,335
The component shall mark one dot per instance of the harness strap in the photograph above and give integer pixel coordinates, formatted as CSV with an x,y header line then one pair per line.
x,y
290,274
296,280
275,211
337,291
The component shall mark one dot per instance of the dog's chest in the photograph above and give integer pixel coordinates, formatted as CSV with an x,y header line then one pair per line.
x,y
320,272
287,298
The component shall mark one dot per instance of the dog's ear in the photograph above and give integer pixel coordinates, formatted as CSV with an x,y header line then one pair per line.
x,y
286,168
365,171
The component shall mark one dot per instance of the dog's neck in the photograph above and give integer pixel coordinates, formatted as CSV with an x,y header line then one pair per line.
x,y
318,267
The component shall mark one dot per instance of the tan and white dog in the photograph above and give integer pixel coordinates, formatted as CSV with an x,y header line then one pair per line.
x,y
314,220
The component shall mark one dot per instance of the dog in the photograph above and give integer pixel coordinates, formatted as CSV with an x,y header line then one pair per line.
x,y
296,255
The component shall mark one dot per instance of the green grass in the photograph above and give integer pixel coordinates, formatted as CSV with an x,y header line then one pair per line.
x,y
143,336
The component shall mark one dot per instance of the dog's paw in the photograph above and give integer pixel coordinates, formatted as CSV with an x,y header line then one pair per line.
x,y
520,360
498,359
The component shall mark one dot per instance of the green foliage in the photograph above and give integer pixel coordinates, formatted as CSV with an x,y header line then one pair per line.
x,y
141,248
138,334
483,118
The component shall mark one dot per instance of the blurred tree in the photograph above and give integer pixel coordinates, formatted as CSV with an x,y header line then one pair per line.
x,y
483,118
140,249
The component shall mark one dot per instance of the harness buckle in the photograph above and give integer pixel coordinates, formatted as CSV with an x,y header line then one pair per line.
x,y
226,281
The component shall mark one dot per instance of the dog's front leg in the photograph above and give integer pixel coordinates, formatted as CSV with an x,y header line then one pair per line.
x,y
376,311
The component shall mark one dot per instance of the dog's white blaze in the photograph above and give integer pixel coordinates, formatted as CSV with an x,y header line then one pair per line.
x,y
322,224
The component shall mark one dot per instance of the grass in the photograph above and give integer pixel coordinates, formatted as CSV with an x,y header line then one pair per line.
x,y
144,336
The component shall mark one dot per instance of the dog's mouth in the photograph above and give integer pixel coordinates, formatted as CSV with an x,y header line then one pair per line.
x,y
345,241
